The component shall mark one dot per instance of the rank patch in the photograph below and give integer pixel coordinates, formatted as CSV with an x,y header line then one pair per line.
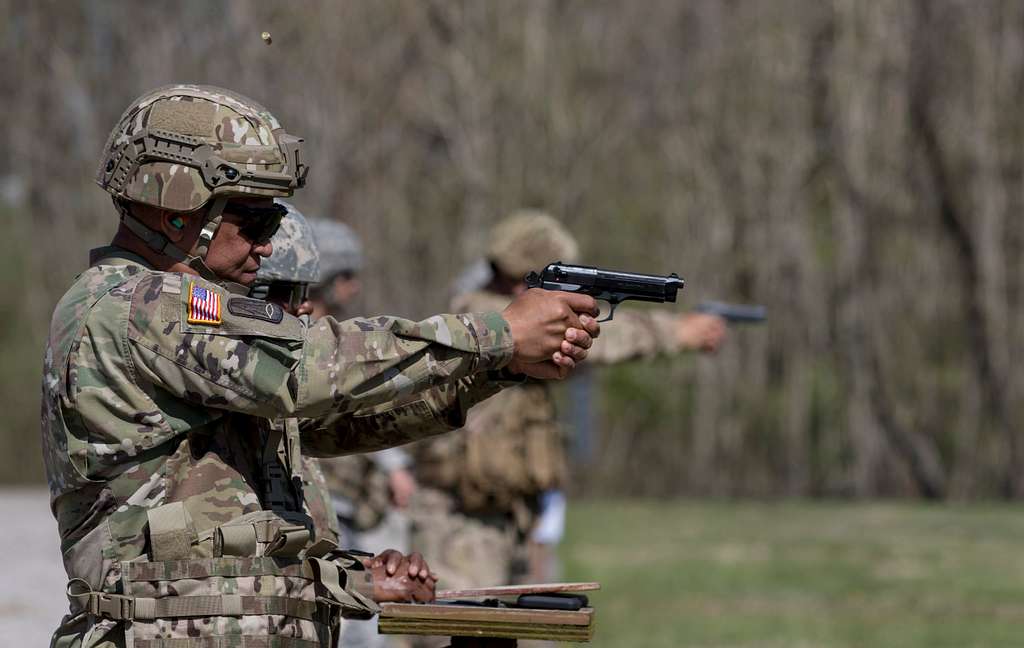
x,y
255,309
203,305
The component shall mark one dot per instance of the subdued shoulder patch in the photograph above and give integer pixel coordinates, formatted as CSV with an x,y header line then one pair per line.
x,y
255,309
171,284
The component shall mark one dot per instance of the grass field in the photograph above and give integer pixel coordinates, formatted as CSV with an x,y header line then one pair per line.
x,y
800,574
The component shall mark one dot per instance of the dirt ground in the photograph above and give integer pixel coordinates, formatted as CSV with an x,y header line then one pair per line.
x,y
32,600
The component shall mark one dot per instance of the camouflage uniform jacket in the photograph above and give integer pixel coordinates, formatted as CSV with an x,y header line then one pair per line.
x,y
512,447
152,429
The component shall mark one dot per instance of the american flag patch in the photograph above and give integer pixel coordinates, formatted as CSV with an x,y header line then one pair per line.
x,y
203,305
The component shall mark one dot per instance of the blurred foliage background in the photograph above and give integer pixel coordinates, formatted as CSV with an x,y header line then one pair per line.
x,y
858,167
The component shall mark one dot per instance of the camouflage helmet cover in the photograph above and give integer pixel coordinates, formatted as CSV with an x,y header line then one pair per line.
x,y
178,146
340,248
295,258
529,240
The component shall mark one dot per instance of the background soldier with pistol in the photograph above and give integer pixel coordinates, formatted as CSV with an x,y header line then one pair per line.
x,y
480,489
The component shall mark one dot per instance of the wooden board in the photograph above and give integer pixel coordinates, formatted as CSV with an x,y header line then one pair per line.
x,y
515,590
577,634
427,611
477,621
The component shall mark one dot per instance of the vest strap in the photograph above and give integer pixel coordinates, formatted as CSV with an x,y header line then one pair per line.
x,y
282,465
208,567
132,608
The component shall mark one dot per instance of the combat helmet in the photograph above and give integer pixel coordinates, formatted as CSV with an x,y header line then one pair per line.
x,y
295,258
183,147
529,240
340,249
286,275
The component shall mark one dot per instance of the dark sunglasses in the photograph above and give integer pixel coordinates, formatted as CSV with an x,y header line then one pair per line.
x,y
258,224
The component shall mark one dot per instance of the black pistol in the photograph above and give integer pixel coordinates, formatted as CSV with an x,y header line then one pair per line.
x,y
734,313
610,286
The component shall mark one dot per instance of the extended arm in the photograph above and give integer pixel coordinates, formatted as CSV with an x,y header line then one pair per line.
x,y
637,334
428,413
268,364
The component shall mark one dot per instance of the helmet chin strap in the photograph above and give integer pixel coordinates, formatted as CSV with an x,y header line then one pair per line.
x,y
195,258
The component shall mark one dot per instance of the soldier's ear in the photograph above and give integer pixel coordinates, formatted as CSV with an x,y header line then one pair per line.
x,y
174,225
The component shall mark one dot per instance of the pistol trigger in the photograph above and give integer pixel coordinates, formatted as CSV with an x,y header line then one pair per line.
x,y
611,312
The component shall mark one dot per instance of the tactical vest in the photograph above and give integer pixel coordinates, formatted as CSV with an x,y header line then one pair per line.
x,y
257,580
511,449
208,538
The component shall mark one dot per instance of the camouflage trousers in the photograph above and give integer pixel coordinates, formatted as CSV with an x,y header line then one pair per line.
x,y
465,550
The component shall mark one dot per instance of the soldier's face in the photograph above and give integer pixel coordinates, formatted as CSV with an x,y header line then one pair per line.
x,y
345,288
232,255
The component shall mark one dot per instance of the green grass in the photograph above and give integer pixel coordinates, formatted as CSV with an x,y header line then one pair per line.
x,y
800,574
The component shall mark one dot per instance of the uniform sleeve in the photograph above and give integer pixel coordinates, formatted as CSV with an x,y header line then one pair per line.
x,y
440,409
198,342
636,334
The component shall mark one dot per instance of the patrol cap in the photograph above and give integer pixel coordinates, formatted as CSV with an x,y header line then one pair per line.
x,y
529,240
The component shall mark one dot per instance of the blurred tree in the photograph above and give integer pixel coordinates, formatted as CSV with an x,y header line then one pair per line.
x,y
858,167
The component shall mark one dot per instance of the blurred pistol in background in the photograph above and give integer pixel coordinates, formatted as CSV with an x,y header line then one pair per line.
x,y
609,286
734,313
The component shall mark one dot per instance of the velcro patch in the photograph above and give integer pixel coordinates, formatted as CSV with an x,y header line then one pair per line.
x,y
193,118
255,309
203,305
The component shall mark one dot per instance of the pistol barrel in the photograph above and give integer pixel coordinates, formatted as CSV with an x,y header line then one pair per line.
x,y
734,313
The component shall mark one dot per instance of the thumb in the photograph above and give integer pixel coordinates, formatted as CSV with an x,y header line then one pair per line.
x,y
580,303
